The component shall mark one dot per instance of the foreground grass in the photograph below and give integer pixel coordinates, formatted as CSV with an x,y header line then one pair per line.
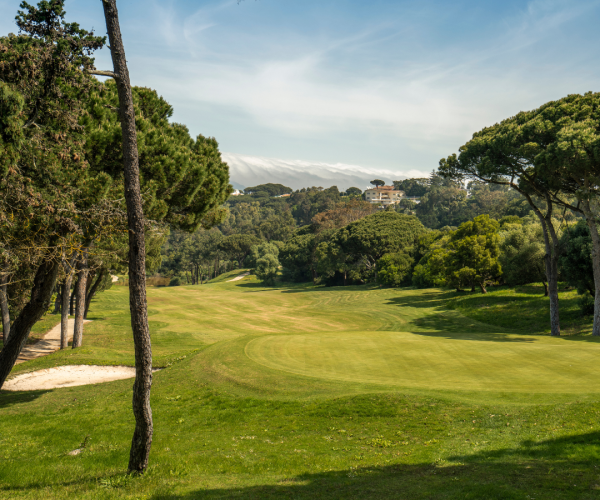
x,y
248,408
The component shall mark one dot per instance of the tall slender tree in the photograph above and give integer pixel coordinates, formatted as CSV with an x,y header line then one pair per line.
x,y
142,436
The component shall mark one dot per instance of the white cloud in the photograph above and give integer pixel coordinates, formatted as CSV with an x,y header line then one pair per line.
x,y
427,99
248,171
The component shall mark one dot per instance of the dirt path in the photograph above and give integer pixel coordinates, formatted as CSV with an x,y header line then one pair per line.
x,y
49,343
241,276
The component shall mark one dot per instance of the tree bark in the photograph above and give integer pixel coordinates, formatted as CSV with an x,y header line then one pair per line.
x,y
57,301
551,262
41,295
93,290
545,288
142,436
72,303
90,280
483,290
64,311
80,289
591,222
4,309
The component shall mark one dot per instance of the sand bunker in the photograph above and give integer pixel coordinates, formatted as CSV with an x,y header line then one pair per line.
x,y
68,376
241,276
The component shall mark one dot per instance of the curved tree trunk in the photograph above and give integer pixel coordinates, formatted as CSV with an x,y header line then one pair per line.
x,y
4,309
41,295
57,301
64,311
551,262
483,290
72,302
80,289
93,290
142,435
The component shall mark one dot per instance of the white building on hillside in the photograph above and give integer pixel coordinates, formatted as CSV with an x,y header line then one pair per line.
x,y
384,195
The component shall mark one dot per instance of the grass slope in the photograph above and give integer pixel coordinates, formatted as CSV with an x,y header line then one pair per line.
x,y
302,392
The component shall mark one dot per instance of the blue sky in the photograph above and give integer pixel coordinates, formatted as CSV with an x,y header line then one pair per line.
x,y
327,87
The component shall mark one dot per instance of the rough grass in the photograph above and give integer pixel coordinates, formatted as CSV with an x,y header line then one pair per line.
x,y
523,309
302,392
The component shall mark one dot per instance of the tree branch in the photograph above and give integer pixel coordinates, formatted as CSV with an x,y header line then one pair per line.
x,y
103,73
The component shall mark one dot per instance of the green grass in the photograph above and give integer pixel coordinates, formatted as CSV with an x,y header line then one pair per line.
x,y
40,329
302,392
523,309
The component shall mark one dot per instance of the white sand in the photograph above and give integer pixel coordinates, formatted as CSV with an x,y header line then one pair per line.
x,y
68,376
241,276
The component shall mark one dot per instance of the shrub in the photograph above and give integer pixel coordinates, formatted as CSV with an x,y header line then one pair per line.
x,y
267,267
394,269
175,281
586,304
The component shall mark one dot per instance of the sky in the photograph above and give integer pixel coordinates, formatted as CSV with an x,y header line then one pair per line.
x,y
317,92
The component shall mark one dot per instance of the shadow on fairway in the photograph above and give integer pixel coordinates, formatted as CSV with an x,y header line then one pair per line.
x,y
428,300
533,470
10,398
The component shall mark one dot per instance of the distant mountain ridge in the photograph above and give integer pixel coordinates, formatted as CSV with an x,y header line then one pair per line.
x,y
245,170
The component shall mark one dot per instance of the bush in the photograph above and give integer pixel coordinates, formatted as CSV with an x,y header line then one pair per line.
x,y
394,269
586,304
175,281
259,251
266,268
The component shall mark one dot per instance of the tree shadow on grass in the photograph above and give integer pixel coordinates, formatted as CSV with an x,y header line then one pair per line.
x,y
425,299
303,288
563,468
11,398
452,324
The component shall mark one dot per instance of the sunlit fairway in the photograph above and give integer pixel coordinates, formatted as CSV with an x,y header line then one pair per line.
x,y
304,392
512,363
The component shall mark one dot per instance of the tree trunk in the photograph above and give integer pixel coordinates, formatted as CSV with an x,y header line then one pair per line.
x,y
64,313
545,288
142,436
57,301
72,302
482,286
591,222
93,290
41,295
4,309
80,289
551,263
90,279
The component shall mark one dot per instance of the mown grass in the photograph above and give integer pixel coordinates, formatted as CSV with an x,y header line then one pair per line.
x,y
227,426
524,309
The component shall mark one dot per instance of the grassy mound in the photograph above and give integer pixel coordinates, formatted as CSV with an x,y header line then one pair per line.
x,y
307,393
